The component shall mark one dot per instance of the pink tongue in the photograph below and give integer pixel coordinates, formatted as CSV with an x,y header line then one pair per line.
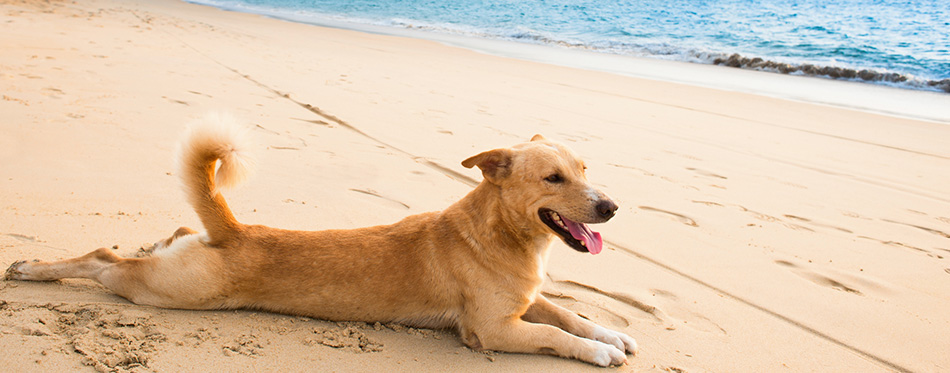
x,y
582,233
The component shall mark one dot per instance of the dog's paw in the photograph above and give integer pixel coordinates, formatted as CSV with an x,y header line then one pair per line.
x,y
605,355
148,250
15,271
617,339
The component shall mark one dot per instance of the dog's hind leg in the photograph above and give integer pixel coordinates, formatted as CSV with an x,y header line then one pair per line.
x,y
179,233
121,275
186,275
87,266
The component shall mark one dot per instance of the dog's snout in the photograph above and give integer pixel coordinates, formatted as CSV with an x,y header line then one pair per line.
x,y
607,208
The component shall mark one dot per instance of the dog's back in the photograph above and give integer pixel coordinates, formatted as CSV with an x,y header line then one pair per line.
x,y
365,274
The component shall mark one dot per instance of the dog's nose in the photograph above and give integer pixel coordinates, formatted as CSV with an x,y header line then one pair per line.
x,y
607,208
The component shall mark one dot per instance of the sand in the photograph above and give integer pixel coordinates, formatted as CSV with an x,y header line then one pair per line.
x,y
755,233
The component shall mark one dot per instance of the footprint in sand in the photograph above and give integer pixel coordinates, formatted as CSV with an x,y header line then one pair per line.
x,y
849,283
572,137
629,300
772,219
21,237
664,307
686,156
640,170
53,92
793,217
897,244
587,309
707,173
180,102
679,313
925,229
709,203
817,224
678,217
200,94
817,278
651,174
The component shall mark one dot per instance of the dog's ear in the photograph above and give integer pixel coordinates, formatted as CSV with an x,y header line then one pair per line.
x,y
538,137
495,164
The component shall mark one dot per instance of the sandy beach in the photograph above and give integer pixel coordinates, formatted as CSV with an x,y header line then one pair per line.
x,y
755,234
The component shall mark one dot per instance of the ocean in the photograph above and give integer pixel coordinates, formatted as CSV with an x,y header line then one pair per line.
x,y
902,43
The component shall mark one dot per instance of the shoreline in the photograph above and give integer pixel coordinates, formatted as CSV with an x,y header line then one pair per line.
x,y
852,94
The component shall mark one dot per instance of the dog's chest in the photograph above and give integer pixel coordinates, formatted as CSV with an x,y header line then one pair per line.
x,y
541,258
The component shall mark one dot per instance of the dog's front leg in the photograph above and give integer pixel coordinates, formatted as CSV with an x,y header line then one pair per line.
x,y
517,335
543,311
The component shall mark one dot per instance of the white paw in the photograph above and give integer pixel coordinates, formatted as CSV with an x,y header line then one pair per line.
x,y
617,339
606,355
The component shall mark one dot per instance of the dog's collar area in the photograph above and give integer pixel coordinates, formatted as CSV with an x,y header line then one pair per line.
x,y
559,225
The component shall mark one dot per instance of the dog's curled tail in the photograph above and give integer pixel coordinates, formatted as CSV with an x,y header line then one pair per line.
x,y
214,154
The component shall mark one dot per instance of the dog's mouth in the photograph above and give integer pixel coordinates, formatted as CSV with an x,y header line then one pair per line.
x,y
576,235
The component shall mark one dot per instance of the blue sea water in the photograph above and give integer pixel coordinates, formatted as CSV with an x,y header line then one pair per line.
x,y
905,43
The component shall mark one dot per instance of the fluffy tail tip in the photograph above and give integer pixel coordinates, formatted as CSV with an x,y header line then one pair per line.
x,y
229,140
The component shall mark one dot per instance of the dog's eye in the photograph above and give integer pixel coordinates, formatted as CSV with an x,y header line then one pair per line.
x,y
554,179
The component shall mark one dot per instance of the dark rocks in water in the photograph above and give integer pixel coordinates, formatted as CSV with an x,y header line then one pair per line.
x,y
734,60
943,85
738,61
830,71
893,78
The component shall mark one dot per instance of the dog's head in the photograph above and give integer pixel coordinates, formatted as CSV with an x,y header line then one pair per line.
x,y
544,183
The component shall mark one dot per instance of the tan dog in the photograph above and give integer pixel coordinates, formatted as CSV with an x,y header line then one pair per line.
x,y
477,266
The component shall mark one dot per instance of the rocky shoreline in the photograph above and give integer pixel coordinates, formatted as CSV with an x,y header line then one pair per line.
x,y
756,63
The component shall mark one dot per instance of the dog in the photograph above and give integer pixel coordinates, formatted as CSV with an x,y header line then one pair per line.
x,y
476,267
